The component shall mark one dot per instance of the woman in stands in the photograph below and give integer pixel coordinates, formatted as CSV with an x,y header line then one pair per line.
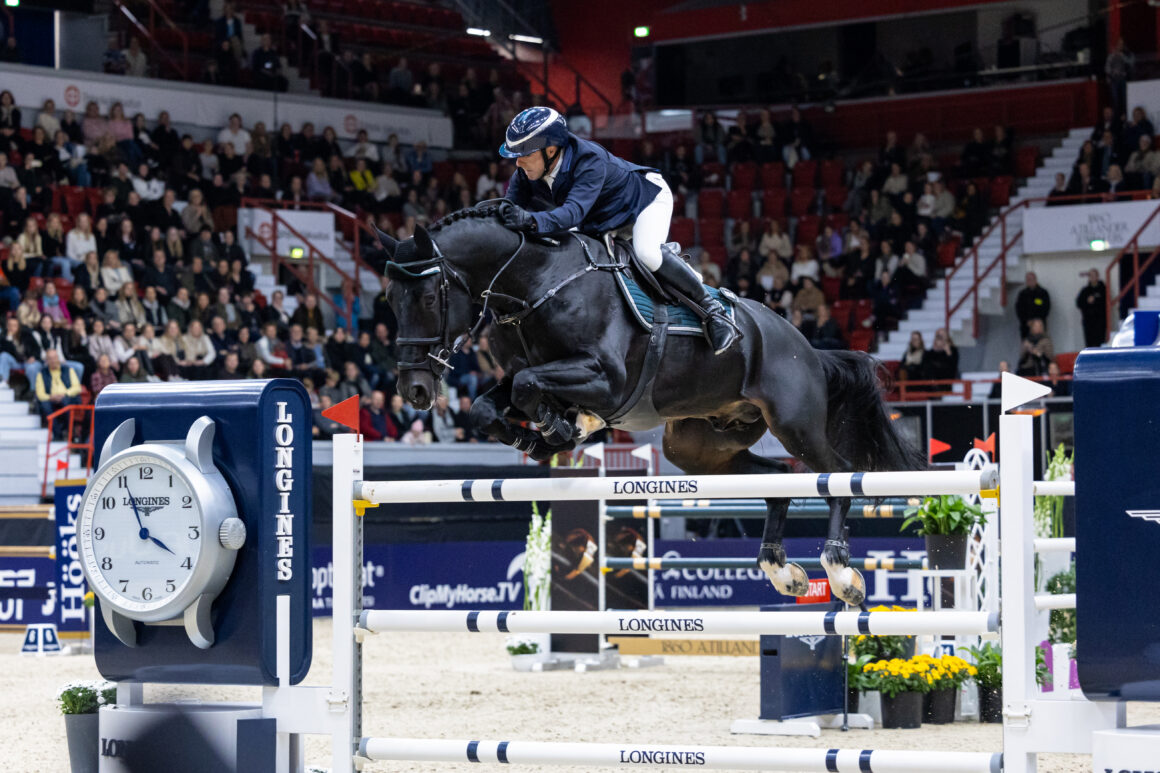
x,y
912,366
597,192
9,122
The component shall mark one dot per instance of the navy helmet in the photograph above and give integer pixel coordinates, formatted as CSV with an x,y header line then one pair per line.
x,y
534,129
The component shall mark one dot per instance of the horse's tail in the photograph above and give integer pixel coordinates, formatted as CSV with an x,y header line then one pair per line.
x,y
858,420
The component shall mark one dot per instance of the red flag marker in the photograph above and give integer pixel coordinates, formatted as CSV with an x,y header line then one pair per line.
x,y
345,413
987,445
61,464
937,447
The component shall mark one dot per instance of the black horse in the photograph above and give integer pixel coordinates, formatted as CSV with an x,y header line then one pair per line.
x,y
573,357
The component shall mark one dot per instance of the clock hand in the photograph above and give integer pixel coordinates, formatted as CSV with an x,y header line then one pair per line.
x,y
159,543
144,533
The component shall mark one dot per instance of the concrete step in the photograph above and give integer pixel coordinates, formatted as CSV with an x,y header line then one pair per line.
x,y
10,435
7,395
18,421
13,408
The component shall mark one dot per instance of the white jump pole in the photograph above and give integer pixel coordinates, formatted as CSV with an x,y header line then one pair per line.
x,y
869,484
965,623
701,757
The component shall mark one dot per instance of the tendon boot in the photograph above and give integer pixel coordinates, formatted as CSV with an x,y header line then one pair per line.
x,y
676,273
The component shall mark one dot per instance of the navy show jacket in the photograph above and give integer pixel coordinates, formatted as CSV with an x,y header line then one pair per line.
x,y
593,190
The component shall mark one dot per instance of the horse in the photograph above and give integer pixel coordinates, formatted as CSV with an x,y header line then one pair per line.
x,y
573,358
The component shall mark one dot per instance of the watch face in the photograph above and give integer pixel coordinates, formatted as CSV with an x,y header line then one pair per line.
x,y
141,533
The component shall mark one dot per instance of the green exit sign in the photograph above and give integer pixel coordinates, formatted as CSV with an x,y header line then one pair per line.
x,y
640,32
12,3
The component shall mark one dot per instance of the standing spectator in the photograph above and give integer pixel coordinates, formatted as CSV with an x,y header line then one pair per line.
x,y
1092,304
267,66
942,361
228,30
1033,302
114,58
797,139
10,51
1117,69
912,366
399,82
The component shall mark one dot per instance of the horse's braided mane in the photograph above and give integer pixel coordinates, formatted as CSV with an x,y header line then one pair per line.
x,y
481,212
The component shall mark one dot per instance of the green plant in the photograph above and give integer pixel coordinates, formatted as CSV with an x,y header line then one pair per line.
x,y
946,672
1048,510
522,646
86,697
1042,675
944,514
989,664
854,678
1062,626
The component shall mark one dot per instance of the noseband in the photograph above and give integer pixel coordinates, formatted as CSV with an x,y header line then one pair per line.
x,y
440,347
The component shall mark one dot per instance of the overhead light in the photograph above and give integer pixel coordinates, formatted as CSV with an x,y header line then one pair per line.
x,y
527,39
479,32
297,253
641,32
1098,245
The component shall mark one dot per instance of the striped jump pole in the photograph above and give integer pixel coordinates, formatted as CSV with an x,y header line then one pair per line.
x,y
858,508
661,564
845,484
701,757
949,622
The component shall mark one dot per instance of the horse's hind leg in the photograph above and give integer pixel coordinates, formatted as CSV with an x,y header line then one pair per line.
x,y
698,448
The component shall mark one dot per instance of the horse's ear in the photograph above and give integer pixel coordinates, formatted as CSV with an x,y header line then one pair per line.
x,y
389,243
424,247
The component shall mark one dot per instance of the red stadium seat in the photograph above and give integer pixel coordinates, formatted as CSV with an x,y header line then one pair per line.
x,y
860,339
744,176
75,199
831,286
802,201
833,173
807,229
773,203
836,196
773,175
683,230
838,220
1001,191
740,204
1026,160
713,174
841,311
863,309
711,203
804,174
946,254
712,233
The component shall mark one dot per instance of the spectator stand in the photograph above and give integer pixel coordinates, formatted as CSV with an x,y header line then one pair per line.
x,y
162,35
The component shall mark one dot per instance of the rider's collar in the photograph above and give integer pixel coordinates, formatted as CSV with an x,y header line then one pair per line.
x,y
561,160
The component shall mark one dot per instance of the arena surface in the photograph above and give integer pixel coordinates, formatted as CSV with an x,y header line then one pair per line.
x,y
462,685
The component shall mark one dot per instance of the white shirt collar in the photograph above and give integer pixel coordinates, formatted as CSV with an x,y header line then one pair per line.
x,y
550,177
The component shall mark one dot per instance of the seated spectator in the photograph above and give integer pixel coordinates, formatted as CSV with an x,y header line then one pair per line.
x,y
887,305
199,352
740,238
56,386
1083,183
374,420
113,60
441,422
976,155
1116,187
740,268
18,272
970,213
53,306
804,265
417,435
808,297
1002,152
912,366
1060,387
896,183
779,297
1139,126
1057,195
880,210
1144,163
710,139
797,139
465,431
829,250
997,388
775,242
102,376
18,349
911,274
1107,153
827,333
230,369
1036,351
942,360
136,63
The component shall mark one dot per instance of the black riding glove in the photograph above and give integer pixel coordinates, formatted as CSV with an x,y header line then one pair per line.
x,y
517,218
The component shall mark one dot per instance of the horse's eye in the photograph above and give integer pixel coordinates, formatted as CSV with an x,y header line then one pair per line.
x,y
429,300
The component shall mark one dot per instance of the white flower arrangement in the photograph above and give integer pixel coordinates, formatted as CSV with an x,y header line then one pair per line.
x,y
86,697
521,646
538,561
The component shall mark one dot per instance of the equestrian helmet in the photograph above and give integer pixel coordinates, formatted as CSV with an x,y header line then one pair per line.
x,y
534,129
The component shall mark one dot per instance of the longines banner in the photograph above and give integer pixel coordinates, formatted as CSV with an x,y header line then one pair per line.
x,y
1076,227
316,227
211,106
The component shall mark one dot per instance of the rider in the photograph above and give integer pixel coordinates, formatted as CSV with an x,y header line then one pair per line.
x,y
591,189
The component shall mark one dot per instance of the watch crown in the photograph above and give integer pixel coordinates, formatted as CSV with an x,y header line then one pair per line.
x,y
232,533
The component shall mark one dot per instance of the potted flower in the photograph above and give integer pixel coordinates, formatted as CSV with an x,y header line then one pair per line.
x,y
80,702
867,649
945,676
989,678
854,680
902,684
525,652
946,522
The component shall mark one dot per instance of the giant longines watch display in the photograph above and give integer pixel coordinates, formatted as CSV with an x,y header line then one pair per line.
x,y
159,533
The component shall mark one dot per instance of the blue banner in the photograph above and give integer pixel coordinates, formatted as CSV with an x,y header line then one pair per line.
x,y
27,591
750,587
72,617
444,575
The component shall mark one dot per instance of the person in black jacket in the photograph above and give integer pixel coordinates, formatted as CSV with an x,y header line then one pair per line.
x,y
1033,302
18,349
1092,304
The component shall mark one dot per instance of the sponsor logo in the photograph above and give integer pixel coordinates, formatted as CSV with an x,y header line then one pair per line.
x,y
266,230
148,504
655,487
658,625
72,96
1145,515
812,641
71,587
284,484
350,124
651,757
449,596
115,747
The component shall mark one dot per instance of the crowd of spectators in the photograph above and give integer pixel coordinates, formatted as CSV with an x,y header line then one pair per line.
x,y
144,280
1118,161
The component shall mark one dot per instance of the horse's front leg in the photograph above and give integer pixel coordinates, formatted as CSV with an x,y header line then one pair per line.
x,y
545,391
490,416
789,578
847,582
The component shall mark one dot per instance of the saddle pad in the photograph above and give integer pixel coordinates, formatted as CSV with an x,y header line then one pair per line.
x,y
681,320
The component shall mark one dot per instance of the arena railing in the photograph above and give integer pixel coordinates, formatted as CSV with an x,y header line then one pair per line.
x,y
79,418
1132,285
1010,237
148,33
920,390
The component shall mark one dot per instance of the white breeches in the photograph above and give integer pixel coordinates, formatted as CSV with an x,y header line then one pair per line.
x,y
651,228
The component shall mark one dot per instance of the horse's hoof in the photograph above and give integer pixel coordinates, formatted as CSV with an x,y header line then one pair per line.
x,y
789,579
587,424
849,585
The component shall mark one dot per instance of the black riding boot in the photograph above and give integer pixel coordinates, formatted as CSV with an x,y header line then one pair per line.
x,y
677,273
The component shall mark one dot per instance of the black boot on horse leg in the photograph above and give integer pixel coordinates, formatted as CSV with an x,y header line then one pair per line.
x,y
789,579
676,273
491,415
846,582
540,391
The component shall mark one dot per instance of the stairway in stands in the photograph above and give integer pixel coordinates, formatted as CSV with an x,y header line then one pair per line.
x,y
22,451
932,314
